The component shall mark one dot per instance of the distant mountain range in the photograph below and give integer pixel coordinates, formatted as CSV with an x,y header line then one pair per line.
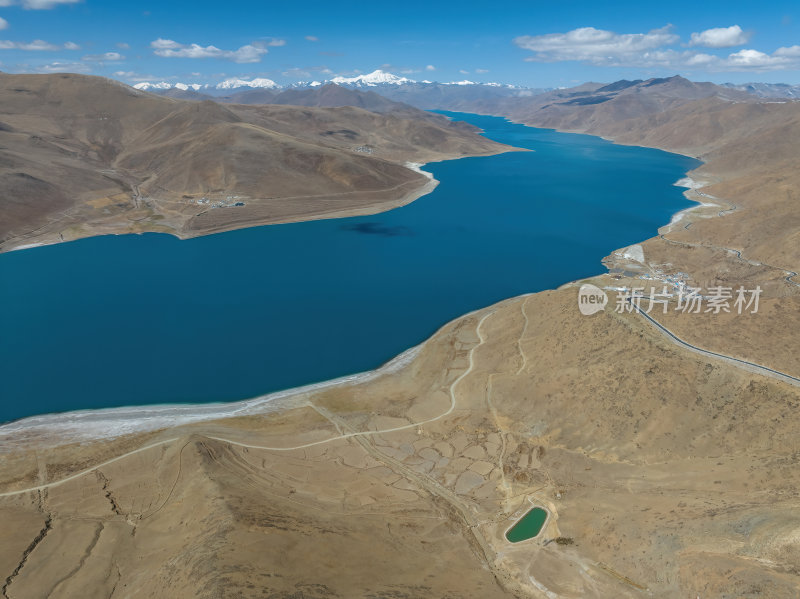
x,y
595,107
381,91
420,94
768,90
208,88
377,78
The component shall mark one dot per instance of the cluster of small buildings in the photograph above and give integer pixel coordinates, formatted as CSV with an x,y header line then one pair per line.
x,y
226,203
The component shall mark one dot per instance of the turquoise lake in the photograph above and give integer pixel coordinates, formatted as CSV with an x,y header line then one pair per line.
x,y
148,319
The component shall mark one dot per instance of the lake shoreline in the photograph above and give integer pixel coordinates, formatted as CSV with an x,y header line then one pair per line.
x,y
113,422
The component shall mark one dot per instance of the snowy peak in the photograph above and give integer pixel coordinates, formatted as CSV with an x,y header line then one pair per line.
x,y
768,90
382,78
228,84
147,85
194,86
255,83
376,77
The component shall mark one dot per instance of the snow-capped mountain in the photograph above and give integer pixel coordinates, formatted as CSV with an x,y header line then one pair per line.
x,y
377,77
453,95
259,83
228,84
767,90
150,86
424,94
194,86
380,78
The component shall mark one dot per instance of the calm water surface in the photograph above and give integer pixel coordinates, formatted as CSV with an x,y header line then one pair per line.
x,y
145,319
528,526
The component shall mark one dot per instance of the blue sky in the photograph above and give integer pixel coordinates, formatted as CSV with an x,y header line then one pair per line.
x,y
536,44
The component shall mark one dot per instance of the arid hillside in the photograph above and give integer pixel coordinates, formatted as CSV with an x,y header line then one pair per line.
x,y
665,474
86,155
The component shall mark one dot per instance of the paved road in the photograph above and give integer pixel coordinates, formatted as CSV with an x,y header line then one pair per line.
x,y
751,366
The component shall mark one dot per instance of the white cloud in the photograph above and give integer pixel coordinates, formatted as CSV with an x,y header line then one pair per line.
x,y
63,67
35,45
651,50
481,71
3,23
297,73
106,57
312,38
45,4
700,59
594,45
743,60
172,49
430,67
162,44
746,60
276,42
37,4
463,72
790,52
138,77
306,72
755,60
123,46
720,37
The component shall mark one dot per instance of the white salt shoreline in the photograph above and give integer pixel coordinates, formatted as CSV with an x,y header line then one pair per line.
x,y
107,423
26,246
690,194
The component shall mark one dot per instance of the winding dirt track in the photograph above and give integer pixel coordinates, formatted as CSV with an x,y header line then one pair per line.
x,y
305,445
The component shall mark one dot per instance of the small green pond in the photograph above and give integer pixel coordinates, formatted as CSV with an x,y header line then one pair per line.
x,y
528,526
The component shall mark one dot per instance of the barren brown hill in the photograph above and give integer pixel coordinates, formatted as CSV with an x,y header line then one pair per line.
x,y
582,106
328,95
85,155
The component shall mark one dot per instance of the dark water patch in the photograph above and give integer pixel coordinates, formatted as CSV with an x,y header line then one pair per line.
x,y
378,229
